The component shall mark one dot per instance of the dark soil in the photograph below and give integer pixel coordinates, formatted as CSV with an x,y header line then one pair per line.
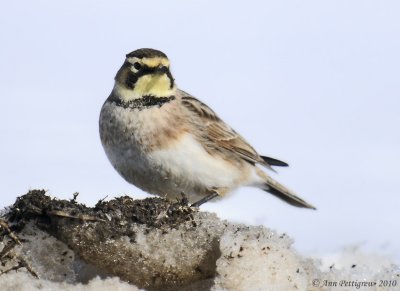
x,y
152,212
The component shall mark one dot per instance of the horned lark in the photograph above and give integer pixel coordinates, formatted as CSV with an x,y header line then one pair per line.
x,y
165,141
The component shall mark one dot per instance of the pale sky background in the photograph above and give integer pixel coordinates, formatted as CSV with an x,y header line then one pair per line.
x,y
314,83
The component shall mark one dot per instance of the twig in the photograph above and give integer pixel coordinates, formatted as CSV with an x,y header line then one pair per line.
x,y
24,263
4,225
80,216
7,249
75,196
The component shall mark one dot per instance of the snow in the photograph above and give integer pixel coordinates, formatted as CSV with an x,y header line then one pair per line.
x,y
203,254
20,281
256,258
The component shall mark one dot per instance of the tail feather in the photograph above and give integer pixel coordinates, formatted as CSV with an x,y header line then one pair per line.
x,y
285,194
274,162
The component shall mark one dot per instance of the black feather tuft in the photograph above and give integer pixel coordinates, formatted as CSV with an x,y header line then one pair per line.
x,y
146,53
274,162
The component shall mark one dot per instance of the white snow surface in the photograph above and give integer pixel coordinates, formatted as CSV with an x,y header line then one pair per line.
x,y
20,281
252,258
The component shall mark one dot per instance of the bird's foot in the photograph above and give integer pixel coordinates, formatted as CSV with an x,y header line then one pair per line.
x,y
205,199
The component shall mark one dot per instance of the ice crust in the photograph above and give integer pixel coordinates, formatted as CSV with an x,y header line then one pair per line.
x,y
255,257
202,253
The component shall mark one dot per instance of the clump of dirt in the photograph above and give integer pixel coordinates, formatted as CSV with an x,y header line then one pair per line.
x,y
153,243
37,205
152,212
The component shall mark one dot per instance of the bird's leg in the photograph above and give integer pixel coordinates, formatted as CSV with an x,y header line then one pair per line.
x,y
205,199
184,200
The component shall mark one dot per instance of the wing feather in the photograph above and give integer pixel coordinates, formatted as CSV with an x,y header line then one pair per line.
x,y
219,135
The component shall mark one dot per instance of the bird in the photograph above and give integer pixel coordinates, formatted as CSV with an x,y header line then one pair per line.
x,y
167,142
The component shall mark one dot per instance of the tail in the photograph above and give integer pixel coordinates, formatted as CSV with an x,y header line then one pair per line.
x,y
274,162
283,193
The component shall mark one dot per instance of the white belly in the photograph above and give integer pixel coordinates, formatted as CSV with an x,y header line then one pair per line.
x,y
187,162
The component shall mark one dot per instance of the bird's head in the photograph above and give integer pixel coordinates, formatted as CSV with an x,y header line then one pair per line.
x,y
145,72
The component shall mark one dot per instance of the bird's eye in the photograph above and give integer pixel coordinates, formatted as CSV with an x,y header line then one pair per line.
x,y
137,66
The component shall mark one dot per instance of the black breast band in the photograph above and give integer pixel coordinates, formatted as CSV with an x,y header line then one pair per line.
x,y
144,102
